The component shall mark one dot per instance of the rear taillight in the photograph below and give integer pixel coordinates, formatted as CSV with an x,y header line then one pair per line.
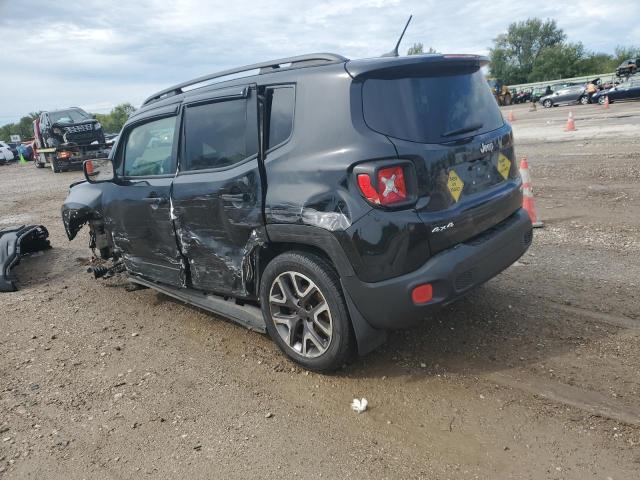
x,y
387,184
368,190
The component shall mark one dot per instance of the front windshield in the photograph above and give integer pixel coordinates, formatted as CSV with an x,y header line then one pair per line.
x,y
73,115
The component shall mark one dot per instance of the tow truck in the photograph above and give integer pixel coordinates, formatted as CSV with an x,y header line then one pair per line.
x,y
66,138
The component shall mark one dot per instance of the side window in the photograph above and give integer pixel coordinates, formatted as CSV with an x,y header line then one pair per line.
x,y
281,106
149,147
217,135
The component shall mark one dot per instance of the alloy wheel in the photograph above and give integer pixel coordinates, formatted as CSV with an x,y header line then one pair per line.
x,y
301,314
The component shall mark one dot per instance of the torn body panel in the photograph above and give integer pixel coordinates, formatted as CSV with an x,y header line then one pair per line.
x,y
137,215
84,203
219,226
16,242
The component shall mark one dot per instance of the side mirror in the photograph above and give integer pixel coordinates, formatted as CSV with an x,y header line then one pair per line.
x,y
98,170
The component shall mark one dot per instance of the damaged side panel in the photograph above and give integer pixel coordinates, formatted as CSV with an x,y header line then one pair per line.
x,y
84,203
319,191
137,214
219,225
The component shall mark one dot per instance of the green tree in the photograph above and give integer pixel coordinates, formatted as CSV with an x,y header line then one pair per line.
x,y
559,61
418,48
515,52
596,63
624,53
113,121
24,127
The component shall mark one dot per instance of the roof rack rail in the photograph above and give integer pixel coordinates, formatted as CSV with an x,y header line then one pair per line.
x,y
264,67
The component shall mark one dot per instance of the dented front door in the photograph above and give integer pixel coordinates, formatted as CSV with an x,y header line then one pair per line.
x,y
217,194
138,206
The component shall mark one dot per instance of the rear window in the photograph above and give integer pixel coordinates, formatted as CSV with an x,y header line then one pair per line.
x,y
281,105
431,109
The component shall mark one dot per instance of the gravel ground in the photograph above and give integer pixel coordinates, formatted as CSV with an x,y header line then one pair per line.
x,y
534,375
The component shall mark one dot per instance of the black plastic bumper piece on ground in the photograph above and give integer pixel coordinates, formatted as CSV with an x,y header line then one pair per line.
x,y
452,273
16,242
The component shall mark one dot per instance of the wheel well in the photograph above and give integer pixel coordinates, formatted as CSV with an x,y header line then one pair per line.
x,y
361,331
275,249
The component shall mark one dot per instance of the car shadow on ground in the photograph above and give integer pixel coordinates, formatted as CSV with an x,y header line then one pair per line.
x,y
487,331
491,329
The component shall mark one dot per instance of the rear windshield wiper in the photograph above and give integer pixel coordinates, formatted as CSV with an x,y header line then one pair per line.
x,y
469,128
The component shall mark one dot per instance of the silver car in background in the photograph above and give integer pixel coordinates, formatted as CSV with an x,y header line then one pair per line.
x,y
566,95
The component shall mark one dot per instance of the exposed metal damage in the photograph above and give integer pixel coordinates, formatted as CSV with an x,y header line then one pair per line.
x,y
16,242
329,213
82,205
220,243
195,254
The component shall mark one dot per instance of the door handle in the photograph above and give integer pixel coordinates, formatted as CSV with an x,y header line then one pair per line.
x,y
156,200
235,197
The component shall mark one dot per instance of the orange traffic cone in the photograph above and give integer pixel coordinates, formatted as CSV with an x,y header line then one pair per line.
x,y
511,116
528,203
606,102
571,125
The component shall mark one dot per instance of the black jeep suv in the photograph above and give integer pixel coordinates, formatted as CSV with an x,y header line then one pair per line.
x,y
65,138
320,199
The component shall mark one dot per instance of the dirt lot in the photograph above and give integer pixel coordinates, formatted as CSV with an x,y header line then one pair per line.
x,y
534,375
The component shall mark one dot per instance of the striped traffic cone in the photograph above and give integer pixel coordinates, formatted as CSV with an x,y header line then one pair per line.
x,y
511,117
528,202
606,102
571,125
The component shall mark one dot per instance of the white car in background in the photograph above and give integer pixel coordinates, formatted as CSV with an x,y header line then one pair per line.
x,y
6,155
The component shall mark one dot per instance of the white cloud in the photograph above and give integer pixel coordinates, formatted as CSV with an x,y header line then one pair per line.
x,y
99,54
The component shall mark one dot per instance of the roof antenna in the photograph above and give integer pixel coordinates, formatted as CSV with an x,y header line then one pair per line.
x,y
394,52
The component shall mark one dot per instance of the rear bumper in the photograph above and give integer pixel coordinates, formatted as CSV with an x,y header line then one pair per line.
x,y
452,273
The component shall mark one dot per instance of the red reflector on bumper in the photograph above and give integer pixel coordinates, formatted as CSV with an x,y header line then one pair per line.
x,y
422,293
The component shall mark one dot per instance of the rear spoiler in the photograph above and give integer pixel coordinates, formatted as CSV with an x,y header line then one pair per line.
x,y
412,64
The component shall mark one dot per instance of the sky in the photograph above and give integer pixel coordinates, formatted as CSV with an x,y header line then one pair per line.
x,y
97,54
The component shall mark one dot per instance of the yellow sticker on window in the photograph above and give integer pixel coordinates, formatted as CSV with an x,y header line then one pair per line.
x,y
455,185
504,165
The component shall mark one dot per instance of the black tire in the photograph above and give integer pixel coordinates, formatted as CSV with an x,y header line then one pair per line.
x,y
340,347
54,165
584,100
37,162
547,103
602,99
